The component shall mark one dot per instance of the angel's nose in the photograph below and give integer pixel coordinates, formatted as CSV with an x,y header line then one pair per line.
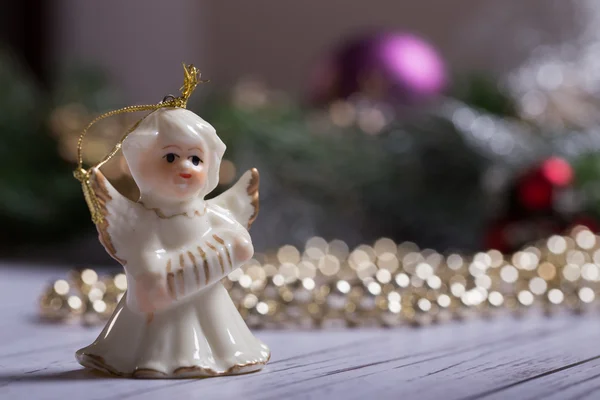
x,y
185,176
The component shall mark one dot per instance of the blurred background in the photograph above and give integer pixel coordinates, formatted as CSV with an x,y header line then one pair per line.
x,y
454,125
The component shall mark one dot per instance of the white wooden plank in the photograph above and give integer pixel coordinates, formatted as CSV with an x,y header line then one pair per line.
x,y
429,376
576,380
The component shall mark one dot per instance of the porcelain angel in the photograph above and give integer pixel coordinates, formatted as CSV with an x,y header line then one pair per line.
x,y
176,318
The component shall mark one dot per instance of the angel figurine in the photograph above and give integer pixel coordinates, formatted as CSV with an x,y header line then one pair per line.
x,y
176,318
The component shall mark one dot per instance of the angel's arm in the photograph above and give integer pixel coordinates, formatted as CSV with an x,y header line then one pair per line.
x,y
186,270
216,256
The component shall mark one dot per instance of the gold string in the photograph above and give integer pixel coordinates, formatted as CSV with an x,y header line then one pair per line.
x,y
190,81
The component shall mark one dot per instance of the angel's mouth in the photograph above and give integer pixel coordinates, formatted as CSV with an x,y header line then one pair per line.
x,y
185,176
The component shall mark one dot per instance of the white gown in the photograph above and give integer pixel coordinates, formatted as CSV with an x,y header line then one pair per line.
x,y
201,336
201,333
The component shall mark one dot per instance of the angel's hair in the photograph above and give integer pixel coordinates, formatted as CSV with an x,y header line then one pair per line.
x,y
179,125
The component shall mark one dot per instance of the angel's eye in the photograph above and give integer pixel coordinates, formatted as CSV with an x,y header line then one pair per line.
x,y
170,157
195,160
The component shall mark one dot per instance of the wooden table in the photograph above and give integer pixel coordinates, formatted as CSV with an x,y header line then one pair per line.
x,y
504,358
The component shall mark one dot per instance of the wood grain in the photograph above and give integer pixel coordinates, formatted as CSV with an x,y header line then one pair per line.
x,y
528,358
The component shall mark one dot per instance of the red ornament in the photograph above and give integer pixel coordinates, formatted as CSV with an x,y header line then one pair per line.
x,y
536,192
557,171
536,188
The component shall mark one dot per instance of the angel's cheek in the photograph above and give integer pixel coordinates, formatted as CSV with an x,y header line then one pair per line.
x,y
150,174
160,176
199,179
165,176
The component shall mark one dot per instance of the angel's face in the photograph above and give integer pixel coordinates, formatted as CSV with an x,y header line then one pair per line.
x,y
175,170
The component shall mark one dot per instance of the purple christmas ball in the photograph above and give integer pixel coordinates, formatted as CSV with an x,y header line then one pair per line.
x,y
394,67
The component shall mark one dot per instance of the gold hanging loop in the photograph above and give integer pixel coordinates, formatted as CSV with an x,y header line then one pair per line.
x,y
190,81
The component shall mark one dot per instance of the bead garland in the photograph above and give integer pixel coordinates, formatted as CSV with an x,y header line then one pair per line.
x,y
387,284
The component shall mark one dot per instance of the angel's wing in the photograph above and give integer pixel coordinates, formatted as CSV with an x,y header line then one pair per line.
x,y
241,199
120,216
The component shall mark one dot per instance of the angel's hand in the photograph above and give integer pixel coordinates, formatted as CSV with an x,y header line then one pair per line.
x,y
243,249
150,292
234,242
